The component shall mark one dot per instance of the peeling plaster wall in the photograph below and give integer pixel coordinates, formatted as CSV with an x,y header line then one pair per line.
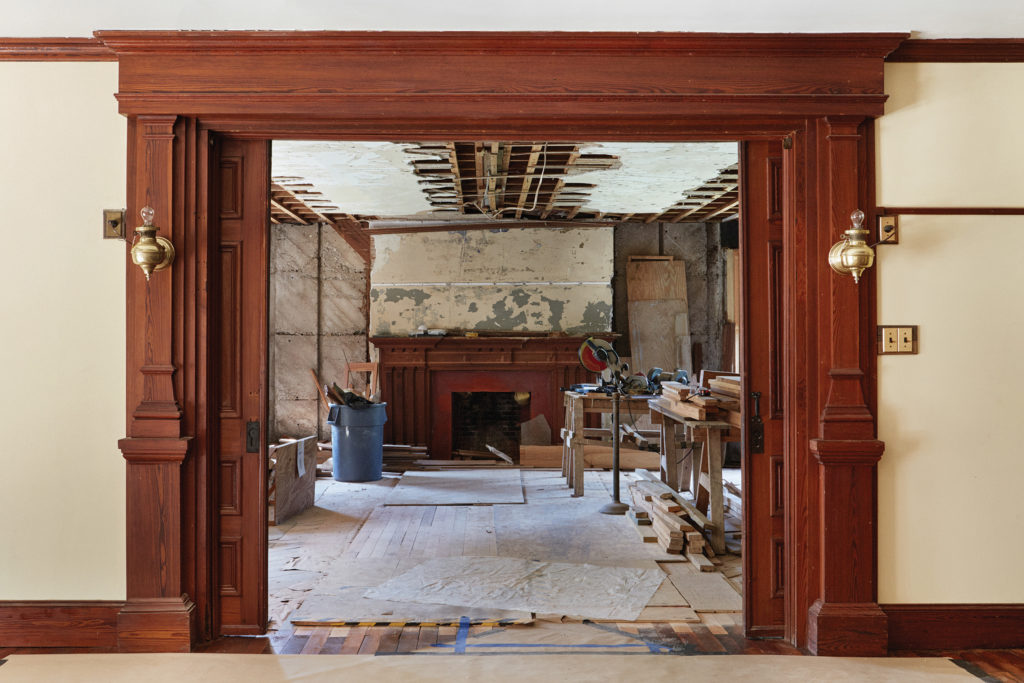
x,y
528,279
317,320
699,246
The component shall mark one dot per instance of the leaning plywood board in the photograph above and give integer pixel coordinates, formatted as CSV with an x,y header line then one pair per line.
x,y
659,329
659,334
652,280
294,486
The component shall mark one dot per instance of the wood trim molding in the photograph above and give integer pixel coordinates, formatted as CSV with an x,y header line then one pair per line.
x,y
955,626
59,623
953,50
55,50
949,211
616,87
505,43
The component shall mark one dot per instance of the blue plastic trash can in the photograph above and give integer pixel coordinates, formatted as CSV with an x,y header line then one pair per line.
x,y
357,441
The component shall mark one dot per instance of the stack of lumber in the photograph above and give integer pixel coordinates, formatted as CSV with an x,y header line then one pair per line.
x,y
400,457
727,386
677,398
675,525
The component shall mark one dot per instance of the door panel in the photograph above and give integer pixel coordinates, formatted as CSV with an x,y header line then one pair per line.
x,y
761,328
239,365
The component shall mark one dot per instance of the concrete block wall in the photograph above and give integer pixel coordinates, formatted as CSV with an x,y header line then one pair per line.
x,y
699,246
317,321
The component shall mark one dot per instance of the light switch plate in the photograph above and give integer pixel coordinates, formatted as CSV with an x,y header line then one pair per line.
x,y
113,224
888,230
897,340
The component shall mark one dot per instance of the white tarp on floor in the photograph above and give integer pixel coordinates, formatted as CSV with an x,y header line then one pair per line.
x,y
578,590
459,487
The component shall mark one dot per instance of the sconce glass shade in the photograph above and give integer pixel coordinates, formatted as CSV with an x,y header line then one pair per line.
x,y
151,252
852,254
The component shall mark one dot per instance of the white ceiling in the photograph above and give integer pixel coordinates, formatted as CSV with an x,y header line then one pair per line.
x,y
375,178
925,18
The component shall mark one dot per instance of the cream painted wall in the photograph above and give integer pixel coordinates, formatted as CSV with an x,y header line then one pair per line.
x,y
950,519
62,368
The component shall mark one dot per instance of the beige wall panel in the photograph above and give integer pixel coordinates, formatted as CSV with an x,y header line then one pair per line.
x,y
516,255
62,351
952,135
950,519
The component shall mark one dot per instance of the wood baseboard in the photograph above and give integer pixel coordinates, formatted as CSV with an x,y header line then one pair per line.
x,y
955,627
53,623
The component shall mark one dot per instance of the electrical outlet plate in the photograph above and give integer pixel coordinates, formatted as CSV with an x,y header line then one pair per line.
x,y
888,230
897,340
113,224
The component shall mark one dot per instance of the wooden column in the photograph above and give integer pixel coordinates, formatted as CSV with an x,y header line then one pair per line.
x,y
846,618
158,616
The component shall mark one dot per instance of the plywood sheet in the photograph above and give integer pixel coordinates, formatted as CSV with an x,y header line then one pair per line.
x,y
459,487
705,591
659,334
295,487
651,280
579,590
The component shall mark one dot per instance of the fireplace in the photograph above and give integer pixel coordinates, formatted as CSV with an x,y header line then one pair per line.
x,y
488,418
419,376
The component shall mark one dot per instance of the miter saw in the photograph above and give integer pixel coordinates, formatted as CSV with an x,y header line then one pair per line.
x,y
597,355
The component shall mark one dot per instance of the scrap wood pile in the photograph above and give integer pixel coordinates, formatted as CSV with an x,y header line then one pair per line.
x,y
664,517
721,402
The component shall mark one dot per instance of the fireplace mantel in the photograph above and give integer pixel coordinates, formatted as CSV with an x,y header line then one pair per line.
x,y
419,374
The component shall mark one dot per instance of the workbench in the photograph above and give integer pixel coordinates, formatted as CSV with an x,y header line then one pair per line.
x,y
577,406
680,468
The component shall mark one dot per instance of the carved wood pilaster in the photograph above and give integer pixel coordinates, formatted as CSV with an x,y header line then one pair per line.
x,y
845,619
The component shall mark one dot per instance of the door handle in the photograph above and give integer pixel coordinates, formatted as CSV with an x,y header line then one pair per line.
x,y
756,425
252,437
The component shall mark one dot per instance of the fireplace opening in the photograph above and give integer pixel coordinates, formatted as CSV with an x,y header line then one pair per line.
x,y
488,418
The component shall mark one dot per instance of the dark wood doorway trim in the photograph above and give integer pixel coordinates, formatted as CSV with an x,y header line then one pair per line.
x,y
819,93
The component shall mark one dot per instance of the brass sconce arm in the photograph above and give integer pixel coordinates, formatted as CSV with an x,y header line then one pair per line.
x,y
151,252
852,254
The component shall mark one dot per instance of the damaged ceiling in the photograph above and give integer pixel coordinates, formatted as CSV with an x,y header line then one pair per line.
x,y
381,184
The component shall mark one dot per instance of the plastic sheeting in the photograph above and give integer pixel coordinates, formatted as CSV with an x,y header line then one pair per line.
x,y
579,590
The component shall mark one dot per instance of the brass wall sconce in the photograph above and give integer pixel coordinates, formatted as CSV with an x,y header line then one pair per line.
x,y
852,254
151,252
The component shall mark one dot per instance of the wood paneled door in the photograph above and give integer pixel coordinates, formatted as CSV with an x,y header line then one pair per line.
x,y
241,204
761,311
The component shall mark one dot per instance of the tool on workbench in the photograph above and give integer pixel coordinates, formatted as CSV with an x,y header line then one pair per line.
x,y
597,355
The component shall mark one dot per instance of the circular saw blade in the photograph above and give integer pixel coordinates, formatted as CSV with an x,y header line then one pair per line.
x,y
595,354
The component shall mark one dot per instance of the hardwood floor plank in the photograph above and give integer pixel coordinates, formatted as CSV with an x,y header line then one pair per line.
x,y
371,641
409,639
316,641
428,636
353,641
332,646
389,639
294,645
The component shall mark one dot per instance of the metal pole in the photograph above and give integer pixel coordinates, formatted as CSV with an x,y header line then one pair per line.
x,y
615,507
